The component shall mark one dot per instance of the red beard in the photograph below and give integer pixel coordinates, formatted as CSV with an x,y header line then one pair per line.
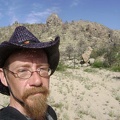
x,y
35,102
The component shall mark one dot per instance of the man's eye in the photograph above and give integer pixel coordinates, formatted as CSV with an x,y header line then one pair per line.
x,y
44,69
22,70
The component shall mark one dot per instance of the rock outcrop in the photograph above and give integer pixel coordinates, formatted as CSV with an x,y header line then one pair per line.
x,y
53,20
86,54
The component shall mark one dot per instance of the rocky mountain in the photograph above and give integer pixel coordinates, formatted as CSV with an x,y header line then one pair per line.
x,y
75,35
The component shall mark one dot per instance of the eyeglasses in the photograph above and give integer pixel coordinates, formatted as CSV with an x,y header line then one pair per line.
x,y
25,73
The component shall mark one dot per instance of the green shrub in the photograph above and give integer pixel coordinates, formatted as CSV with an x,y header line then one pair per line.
x,y
61,67
115,68
112,55
98,64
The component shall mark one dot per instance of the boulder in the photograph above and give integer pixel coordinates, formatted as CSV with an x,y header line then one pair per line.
x,y
86,54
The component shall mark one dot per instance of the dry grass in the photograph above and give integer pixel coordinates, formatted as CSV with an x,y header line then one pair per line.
x,y
80,94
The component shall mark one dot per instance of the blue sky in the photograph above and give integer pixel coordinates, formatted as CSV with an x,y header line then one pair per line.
x,y
105,12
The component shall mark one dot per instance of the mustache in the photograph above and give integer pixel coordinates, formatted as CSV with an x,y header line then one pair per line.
x,y
33,91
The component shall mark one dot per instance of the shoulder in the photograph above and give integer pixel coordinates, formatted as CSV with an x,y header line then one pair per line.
x,y
10,113
4,112
51,112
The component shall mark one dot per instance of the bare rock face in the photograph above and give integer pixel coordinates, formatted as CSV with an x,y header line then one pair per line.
x,y
53,20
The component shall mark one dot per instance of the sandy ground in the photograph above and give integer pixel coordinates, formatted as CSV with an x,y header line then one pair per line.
x,y
84,94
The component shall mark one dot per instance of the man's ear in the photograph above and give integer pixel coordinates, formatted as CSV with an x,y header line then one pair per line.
x,y
2,77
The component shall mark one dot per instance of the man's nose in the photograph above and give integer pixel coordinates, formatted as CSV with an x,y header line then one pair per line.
x,y
35,79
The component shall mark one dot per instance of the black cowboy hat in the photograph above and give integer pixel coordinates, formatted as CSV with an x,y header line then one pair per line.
x,y
22,38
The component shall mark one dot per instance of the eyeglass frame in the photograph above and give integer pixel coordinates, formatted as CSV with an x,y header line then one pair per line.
x,y
31,73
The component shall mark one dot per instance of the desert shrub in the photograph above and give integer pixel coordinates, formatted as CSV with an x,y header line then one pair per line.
x,y
98,64
115,68
69,51
98,52
61,67
112,56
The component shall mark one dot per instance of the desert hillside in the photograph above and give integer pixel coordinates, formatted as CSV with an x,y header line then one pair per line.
x,y
84,94
75,38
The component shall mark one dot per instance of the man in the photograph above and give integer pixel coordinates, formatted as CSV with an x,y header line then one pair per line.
x,y
26,65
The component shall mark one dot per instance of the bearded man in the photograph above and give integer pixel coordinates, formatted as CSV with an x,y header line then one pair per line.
x,y
26,65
